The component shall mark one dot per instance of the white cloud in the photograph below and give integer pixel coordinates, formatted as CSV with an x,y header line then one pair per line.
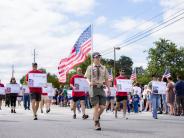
x,y
42,24
175,31
130,24
126,24
100,20
77,7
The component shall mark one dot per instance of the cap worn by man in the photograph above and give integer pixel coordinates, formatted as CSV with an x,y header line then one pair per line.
x,y
96,54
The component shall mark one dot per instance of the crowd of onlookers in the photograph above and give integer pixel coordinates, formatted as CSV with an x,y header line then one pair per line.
x,y
172,102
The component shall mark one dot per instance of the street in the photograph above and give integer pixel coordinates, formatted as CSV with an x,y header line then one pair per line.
x,y
60,124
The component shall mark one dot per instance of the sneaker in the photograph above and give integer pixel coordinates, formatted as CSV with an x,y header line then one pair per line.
x,y
97,126
11,110
160,112
85,116
74,116
41,110
14,111
35,117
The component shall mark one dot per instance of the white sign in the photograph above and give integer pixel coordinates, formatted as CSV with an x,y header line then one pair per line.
x,y
113,91
2,90
124,85
25,89
69,93
81,84
48,89
13,88
37,79
158,87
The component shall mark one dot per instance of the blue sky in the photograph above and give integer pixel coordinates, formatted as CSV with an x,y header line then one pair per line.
x,y
53,26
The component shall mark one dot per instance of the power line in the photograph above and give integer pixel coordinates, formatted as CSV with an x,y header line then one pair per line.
x,y
147,30
150,33
150,19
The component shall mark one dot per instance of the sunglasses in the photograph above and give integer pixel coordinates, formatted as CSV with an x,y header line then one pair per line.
x,y
98,57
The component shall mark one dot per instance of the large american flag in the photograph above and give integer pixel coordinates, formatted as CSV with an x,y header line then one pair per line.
x,y
166,74
78,54
133,76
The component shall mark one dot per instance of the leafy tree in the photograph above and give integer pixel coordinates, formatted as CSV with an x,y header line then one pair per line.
x,y
165,55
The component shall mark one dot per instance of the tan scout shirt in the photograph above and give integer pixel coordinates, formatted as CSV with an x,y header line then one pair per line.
x,y
103,74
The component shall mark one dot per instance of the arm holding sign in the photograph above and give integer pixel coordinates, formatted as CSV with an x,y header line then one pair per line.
x,y
72,83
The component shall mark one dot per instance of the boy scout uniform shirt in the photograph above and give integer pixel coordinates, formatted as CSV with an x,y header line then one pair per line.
x,y
98,77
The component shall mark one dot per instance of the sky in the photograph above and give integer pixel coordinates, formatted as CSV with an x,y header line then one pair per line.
x,y
52,27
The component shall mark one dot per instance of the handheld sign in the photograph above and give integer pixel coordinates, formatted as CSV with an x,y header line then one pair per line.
x,y
81,84
113,91
2,90
13,88
25,89
48,89
37,79
124,85
69,94
158,87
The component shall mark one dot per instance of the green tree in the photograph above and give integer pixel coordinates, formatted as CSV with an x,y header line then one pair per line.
x,y
125,63
166,54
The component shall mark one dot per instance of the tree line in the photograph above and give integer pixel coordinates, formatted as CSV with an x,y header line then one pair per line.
x,y
164,55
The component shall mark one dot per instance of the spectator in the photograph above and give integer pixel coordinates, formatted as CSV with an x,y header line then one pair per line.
x,y
179,91
170,95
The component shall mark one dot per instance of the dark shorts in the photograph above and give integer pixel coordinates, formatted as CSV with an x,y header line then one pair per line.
x,y
2,97
75,98
36,96
109,98
121,98
98,99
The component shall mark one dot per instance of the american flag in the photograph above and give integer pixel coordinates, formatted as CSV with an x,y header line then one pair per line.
x,y
110,74
133,76
78,54
166,74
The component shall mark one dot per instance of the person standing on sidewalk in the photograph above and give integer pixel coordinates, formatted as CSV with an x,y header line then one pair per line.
x,y
2,96
97,75
154,97
179,91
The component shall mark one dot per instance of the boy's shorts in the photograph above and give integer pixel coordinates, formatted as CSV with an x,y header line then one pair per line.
x,y
98,99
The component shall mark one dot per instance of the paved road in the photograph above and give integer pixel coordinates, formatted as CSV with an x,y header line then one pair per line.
x,y
59,124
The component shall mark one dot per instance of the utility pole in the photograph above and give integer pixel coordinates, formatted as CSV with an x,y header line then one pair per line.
x,y
13,71
34,56
115,48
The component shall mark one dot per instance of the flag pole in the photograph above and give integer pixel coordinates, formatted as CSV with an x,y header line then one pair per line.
x,y
91,56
